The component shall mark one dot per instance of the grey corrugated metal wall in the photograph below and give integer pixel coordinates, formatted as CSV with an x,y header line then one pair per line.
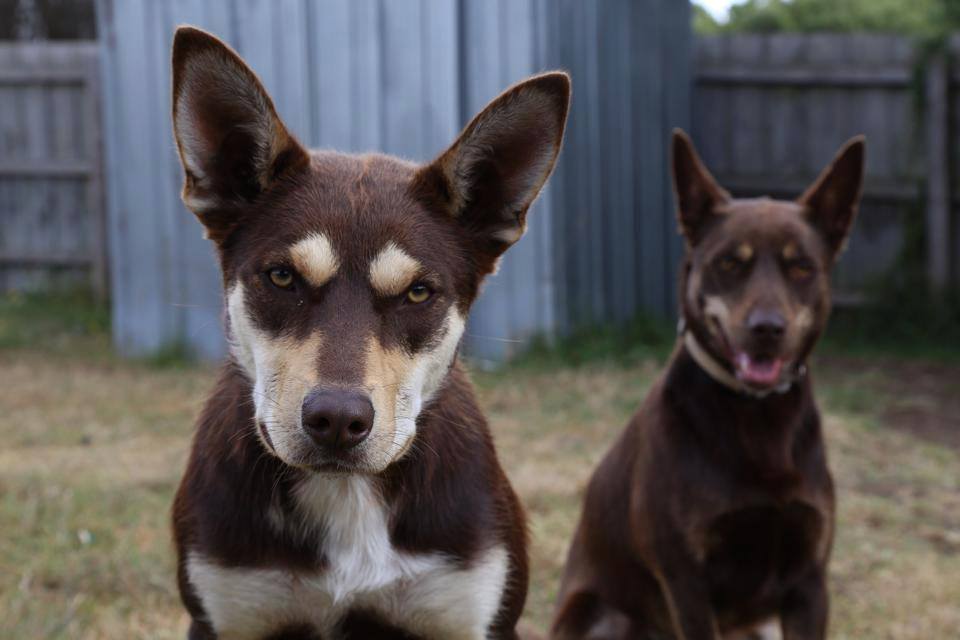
x,y
403,77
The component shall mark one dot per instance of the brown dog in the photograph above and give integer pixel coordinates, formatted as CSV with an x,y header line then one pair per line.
x,y
712,516
343,482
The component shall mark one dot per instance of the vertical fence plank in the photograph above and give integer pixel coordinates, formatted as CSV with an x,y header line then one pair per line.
x,y
678,56
938,180
954,150
50,216
333,67
403,122
651,171
367,54
96,204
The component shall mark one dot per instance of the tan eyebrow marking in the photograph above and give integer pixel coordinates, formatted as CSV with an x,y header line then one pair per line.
x,y
393,270
790,251
744,252
315,259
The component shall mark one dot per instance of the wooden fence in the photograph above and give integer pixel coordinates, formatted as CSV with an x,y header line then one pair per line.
x,y
403,77
51,205
771,110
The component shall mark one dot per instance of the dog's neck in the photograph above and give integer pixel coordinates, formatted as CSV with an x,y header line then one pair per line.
x,y
758,433
713,368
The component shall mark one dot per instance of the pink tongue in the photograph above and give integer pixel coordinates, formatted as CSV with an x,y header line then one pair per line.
x,y
759,372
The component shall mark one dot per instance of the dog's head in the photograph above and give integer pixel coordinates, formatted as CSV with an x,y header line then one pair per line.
x,y
755,287
348,278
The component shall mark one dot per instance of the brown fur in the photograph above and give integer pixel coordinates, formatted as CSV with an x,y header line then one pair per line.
x,y
258,193
714,510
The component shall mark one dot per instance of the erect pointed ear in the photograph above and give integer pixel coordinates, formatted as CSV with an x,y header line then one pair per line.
x,y
232,144
491,175
696,191
831,202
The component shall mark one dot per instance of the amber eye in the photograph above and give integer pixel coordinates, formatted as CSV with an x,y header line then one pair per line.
x,y
728,264
418,293
281,277
800,270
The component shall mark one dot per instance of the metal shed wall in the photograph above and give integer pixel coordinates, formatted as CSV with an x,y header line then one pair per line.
x,y
403,77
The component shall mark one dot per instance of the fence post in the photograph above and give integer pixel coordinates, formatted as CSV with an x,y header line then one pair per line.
x,y
96,202
938,172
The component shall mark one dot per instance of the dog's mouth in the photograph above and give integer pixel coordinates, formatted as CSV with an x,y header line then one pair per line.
x,y
761,371
345,462
757,370
333,467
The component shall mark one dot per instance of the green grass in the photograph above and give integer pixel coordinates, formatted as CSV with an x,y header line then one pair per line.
x,y
626,345
905,326
53,322
71,323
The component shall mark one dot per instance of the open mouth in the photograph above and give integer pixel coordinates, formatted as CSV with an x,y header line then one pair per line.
x,y
761,371
758,371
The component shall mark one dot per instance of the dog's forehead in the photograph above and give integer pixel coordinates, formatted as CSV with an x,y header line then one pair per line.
x,y
349,210
764,223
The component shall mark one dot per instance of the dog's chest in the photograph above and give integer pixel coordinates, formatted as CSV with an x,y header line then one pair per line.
x,y
755,552
426,593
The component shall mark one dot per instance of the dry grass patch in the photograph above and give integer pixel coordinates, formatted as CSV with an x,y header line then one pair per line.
x,y
93,449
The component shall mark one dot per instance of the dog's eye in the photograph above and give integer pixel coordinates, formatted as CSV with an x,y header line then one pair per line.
x,y
800,270
281,277
418,293
729,263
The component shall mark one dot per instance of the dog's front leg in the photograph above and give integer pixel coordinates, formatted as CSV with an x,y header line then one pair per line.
x,y
200,631
685,588
804,612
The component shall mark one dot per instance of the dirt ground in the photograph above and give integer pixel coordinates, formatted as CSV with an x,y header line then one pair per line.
x,y
92,449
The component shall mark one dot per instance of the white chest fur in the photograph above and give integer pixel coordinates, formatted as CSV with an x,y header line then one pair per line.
x,y
427,594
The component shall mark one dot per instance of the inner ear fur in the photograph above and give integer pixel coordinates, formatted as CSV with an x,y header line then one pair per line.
x,y
695,189
488,178
232,144
831,202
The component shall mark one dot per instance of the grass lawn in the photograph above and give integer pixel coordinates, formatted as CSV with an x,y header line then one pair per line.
x,y
93,448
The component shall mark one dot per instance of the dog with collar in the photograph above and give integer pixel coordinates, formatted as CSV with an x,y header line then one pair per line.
x,y
713,514
343,481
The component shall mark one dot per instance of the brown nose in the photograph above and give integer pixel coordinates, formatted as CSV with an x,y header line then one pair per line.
x,y
337,419
766,324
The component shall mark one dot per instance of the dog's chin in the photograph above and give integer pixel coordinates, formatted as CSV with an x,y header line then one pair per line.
x,y
308,457
346,463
